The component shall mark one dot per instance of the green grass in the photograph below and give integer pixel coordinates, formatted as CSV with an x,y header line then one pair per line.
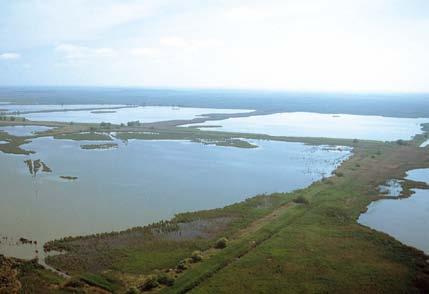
x,y
274,245
319,247
155,255
99,281
99,146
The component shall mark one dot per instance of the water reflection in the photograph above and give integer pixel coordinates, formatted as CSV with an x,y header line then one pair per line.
x,y
405,219
140,183
144,114
21,131
304,124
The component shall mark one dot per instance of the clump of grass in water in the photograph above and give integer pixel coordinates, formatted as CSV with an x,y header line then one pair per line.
x,y
71,178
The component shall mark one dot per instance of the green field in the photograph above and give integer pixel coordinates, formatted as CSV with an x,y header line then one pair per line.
x,y
306,241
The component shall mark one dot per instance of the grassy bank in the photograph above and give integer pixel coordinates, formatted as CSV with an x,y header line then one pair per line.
x,y
304,241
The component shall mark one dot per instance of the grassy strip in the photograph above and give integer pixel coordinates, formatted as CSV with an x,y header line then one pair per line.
x,y
235,250
87,136
99,146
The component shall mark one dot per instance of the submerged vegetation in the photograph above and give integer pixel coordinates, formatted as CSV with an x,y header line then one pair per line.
x,y
70,178
99,146
307,240
271,235
34,166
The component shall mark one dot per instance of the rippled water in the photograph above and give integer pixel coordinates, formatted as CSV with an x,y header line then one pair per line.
x,y
305,124
144,114
142,182
405,219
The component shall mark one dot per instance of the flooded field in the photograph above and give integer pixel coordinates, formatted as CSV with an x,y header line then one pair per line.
x,y
392,188
139,183
305,124
144,114
405,219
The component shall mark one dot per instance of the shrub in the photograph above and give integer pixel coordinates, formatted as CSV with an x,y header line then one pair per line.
x,y
301,200
339,174
74,283
165,279
150,283
221,243
197,256
182,265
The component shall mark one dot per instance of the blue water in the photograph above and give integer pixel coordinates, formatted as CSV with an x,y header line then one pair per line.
x,y
305,124
144,114
20,131
405,219
142,182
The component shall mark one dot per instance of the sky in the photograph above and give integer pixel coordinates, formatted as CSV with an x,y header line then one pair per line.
x,y
297,45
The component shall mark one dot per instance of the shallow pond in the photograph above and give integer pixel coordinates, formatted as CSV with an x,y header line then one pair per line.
x,y
305,124
405,219
141,182
20,131
144,114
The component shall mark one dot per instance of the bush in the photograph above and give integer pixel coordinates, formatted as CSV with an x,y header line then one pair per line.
x,y
182,265
339,174
165,279
196,256
150,283
301,200
221,243
74,283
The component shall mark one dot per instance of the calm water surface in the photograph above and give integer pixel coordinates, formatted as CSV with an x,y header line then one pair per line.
x,y
42,107
24,130
144,114
405,219
305,124
141,182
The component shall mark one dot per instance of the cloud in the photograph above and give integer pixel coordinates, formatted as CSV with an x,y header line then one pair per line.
x,y
181,43
145,52
9,56
249,13
67,21
76,52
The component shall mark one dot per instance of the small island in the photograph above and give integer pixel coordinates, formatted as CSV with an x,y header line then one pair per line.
x,y
99,146
70,178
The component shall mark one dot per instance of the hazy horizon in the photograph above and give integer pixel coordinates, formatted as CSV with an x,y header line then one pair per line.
x,y
333,46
